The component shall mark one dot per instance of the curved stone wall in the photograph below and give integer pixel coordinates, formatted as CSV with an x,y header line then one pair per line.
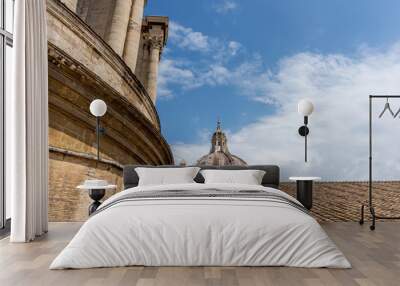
x,y
78,41
83,67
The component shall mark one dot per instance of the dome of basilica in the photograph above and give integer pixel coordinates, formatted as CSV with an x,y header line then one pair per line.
x,y
219,153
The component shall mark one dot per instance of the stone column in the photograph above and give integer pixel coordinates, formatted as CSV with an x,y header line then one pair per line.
x,y
133,35
119,25
143,63
71,4
156,43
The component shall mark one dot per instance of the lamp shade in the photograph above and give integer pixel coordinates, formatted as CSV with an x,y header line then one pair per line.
x,y
98,107
305,107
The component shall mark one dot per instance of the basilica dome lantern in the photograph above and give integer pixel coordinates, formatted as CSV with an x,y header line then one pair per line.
x,y
219,153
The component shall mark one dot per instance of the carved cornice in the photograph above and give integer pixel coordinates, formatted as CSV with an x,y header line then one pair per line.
x,y
61,60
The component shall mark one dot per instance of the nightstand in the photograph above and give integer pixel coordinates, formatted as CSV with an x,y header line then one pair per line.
x,y
304,190
97,190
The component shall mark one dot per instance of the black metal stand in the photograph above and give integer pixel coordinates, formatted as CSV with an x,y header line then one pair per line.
x,y
98,137
99,131
96,195
304,192
370,203
304,131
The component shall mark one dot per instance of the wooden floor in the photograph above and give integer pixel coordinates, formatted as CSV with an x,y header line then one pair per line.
x,y
375,257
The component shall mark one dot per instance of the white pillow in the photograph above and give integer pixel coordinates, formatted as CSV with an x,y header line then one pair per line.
x,y
248,177
166,176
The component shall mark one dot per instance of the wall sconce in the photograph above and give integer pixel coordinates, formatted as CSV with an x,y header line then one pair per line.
x,y
305,108
98,108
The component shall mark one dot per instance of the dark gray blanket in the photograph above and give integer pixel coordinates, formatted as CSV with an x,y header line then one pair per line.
x,y
206,194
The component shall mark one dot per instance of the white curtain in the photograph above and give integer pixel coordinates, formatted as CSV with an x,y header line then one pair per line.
x,y
27,124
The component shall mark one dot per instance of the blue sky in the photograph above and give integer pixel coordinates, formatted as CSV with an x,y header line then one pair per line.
x,y
230,58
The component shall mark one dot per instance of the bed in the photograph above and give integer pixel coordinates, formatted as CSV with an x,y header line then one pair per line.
x,y
198,224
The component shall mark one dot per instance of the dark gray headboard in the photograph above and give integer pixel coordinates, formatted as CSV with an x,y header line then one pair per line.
x,y
271,177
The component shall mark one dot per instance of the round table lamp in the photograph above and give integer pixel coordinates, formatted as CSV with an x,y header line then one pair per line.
x,y
305,107
98,107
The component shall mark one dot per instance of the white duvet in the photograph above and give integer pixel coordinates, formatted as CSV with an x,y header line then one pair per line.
x,y
200,231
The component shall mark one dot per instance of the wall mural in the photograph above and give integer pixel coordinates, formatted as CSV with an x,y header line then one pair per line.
x,y
219,82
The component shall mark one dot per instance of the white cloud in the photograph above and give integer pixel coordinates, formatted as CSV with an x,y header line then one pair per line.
x,y
233,47
225,6
339,87
186,38
189,152
194,41
175,73
186,74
